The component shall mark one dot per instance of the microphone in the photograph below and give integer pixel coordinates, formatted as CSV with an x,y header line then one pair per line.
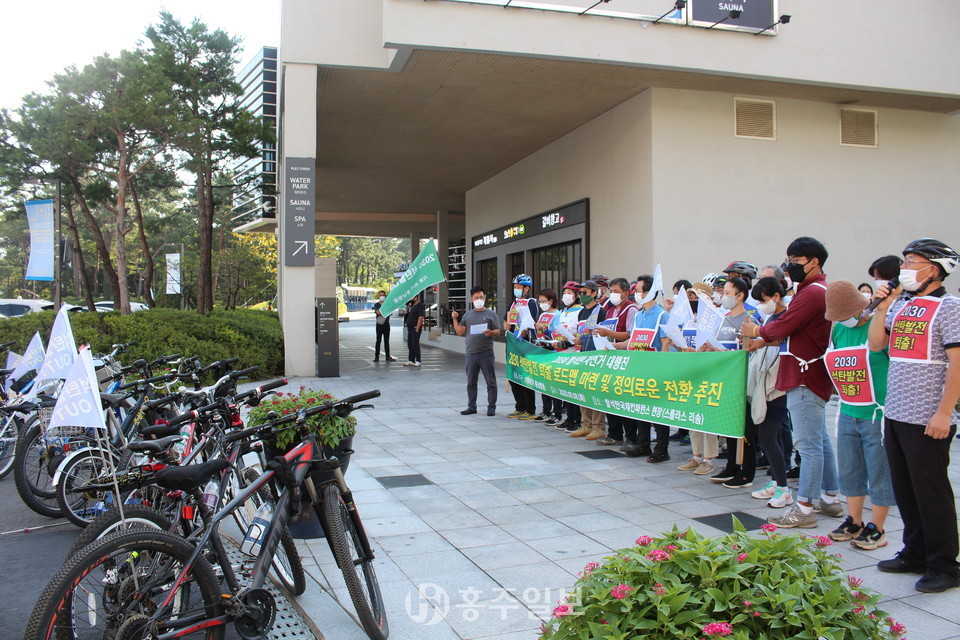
x,y
893,284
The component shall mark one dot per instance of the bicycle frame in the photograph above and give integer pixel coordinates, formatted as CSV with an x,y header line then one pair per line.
x,y
303,458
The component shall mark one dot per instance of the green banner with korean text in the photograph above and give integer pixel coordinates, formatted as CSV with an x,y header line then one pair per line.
x,y
703,391
426,270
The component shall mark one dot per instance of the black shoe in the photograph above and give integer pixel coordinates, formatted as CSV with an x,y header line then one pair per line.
x,y
468,412
935,581
738,483
899,565
631,451
491,411
659,457
724,476
572,428
793,474
644,451
389,359
563,425
679,435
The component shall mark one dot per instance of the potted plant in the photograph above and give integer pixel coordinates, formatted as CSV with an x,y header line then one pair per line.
x,y
334,433
743,587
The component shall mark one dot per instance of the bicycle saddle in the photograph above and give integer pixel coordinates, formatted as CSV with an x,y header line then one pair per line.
x,y
152,447
155,431
190,476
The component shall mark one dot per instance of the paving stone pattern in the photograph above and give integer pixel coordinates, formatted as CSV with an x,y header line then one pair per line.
x,y
514,510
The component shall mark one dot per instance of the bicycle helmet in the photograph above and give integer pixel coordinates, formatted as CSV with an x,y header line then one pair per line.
x,y
600,279
572,284
523,279
936,252
742,268
710,279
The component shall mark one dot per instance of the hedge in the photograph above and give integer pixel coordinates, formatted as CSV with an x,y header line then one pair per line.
x,y
253,336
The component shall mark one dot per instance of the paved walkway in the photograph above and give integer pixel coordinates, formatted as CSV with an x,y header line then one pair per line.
x,y
509,512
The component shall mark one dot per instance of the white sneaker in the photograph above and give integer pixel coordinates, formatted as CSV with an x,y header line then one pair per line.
x,y
408,363
416,364
781,498
766,493
706,468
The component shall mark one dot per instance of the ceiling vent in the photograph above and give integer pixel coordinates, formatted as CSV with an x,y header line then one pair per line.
x,y
755,118
858,128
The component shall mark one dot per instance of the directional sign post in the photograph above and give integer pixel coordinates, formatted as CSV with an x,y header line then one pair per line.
x,y
299,218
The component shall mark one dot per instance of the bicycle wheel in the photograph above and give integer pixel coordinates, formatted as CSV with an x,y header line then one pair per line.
x,y
110,522
287,565
9,432
358,573
81,508
32,471
114,587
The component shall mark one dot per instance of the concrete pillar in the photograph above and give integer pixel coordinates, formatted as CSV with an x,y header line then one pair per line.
x,y
443,247
298,135
414,246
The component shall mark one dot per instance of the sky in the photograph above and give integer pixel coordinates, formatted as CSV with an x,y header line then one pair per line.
x,y
43,37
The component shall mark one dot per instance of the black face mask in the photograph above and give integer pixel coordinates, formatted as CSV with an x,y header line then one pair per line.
x,y
796,272
693,305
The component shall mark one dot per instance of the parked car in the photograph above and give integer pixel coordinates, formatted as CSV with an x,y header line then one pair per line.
x,y
14,307
108,305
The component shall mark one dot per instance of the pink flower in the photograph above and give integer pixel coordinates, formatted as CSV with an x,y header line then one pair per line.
x,y
896,628
741,557
768,527
859,609
591,566
643,541
747,603
604,621
621,591
859,595
658,555
561,611
659,590
756,614
671,547
718,629
824,541
854,581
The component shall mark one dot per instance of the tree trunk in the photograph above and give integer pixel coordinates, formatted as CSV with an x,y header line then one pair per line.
x,y
102,250
79,265
147,256
205,219
122,296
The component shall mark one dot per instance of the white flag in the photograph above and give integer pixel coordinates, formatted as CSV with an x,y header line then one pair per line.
x,y
173,273
78,404
61,350
681,313
32,358
656,287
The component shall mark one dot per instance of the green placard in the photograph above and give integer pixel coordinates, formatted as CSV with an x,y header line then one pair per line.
x,y
426,270
698,391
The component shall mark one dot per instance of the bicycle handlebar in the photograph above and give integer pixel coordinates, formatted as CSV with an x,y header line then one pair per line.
x,y
259,391
160,402
219,363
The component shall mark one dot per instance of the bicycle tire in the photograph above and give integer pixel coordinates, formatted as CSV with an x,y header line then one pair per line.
x,y
363,587
31,472
53,616
9,436
74,506
109,522
287,564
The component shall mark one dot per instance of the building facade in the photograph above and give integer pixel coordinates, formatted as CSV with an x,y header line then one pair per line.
x,y
654,141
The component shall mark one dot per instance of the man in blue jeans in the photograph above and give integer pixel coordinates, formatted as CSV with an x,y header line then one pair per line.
x,y
806,382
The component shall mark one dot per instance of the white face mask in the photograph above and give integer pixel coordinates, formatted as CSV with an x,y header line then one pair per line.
x,y
616,299
767,308
851,322
866,295
908,280
728,302
479,303
517,293
789,282
638,297
716,297
880,282
544,306
382,298
568,299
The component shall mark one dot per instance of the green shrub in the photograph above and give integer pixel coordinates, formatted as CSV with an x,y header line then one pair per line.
x,y
253,336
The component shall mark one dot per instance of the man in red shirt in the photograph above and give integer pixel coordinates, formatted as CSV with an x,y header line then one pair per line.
x,y
806,382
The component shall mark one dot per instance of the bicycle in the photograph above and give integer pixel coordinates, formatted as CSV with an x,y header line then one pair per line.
x,y
149,584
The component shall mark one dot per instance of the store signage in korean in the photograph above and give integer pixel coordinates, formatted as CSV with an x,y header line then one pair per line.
x,y
571,214
299,215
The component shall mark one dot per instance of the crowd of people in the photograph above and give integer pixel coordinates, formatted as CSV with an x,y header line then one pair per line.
x,y
889,349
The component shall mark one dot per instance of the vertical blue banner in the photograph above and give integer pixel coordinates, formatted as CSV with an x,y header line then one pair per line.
x,y
42,248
